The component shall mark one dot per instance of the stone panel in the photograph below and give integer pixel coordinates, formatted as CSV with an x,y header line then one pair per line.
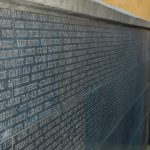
x,y
66,82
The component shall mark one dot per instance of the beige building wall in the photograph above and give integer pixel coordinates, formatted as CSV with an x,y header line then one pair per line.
x,y
140,8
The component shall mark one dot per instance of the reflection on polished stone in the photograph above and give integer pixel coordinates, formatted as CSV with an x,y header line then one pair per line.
x,y
70,83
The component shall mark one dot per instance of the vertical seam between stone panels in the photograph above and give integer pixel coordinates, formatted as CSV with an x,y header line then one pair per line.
x,y
12,84
12,142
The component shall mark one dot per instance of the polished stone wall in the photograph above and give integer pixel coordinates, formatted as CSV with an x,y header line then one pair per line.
x,y
70,82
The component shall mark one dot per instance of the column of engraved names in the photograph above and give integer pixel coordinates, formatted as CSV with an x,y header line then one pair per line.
x,y
7,55
37,63
33,82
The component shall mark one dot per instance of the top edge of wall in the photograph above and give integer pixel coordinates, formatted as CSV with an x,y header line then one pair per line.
x,y
89,8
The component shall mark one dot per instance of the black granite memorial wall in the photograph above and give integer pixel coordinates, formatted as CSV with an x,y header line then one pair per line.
x,y
71,83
